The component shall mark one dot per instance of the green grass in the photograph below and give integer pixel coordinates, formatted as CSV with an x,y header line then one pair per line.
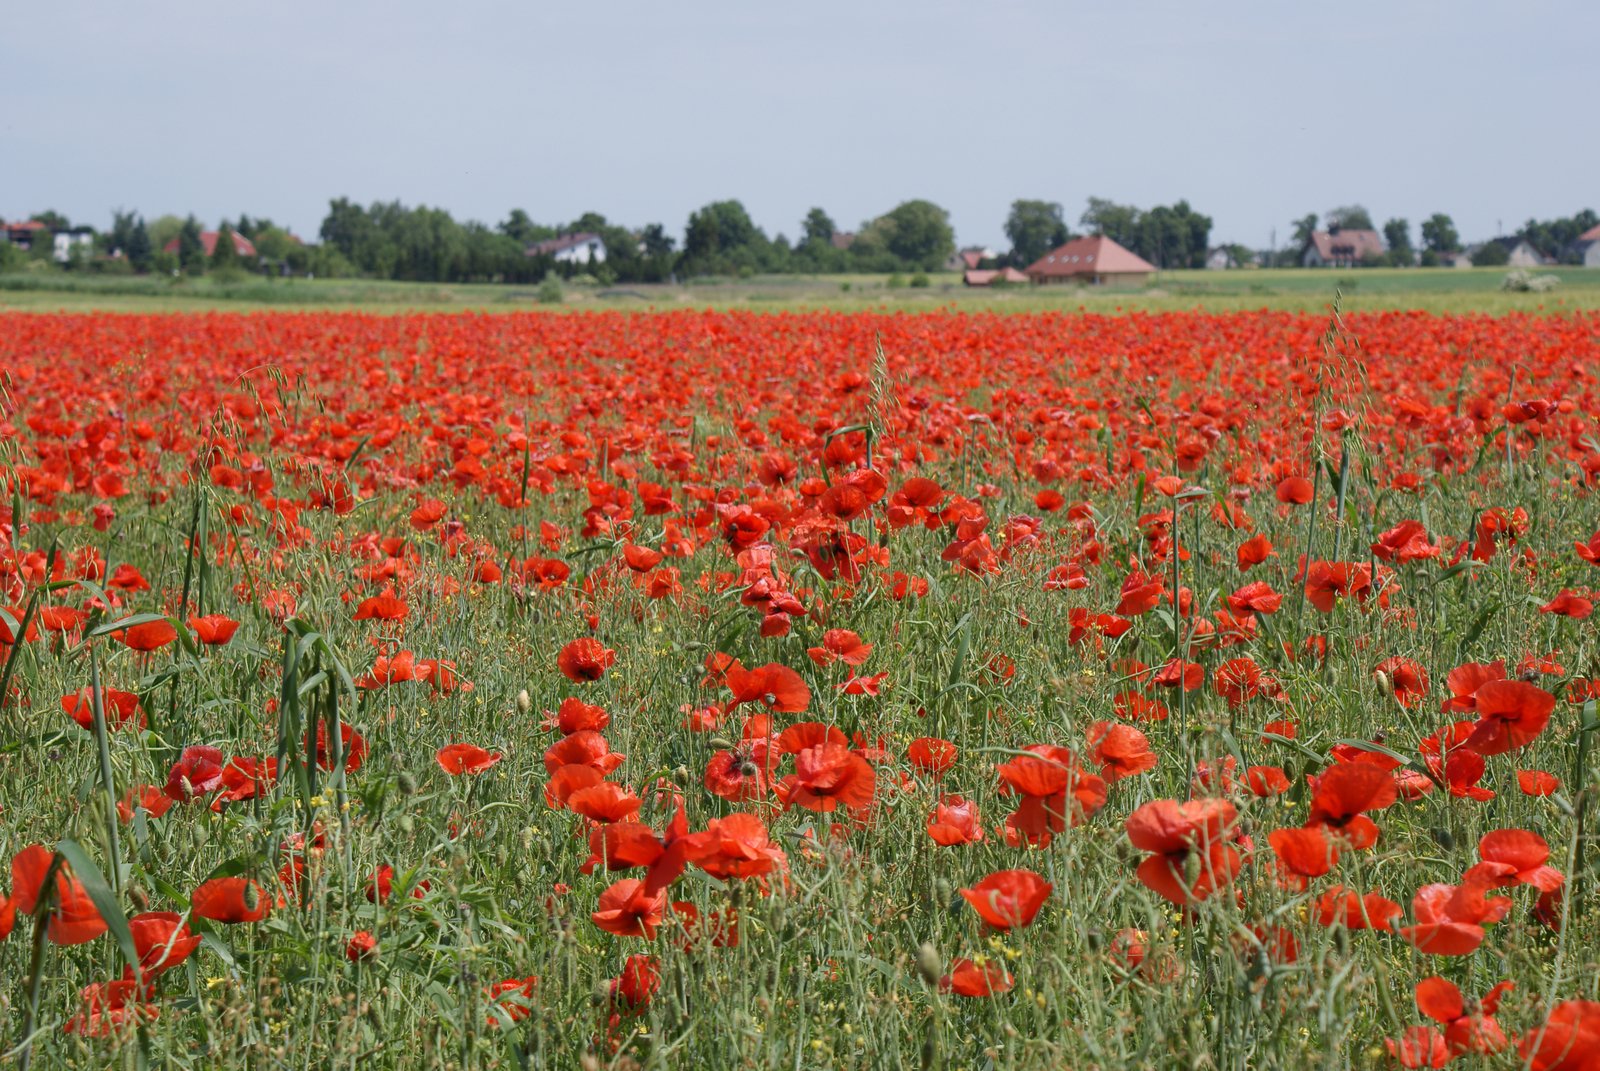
x,y
1432,290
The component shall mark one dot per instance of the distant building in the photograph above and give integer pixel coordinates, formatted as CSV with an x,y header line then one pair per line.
x,y
1521,253
1095,261
23,233
1457,259
970,258
1226,257
1340,249
1588,248
584,248
208,241
65,240
990,276
843,240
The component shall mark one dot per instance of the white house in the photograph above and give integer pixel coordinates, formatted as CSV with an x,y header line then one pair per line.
x,y
65,240
1520,253
1588,246
571,249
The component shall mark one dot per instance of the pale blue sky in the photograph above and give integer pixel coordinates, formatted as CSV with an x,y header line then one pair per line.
x,y
1257,112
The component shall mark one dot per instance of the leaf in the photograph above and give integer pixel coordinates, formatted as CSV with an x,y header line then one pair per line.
x,y
128,622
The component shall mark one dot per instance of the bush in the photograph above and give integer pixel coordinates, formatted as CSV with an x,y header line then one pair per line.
x,y
920,281
1491,255
549,292
1521,282
896,281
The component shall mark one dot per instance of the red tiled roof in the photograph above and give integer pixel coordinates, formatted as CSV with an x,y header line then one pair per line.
x,y
208,241
1347,245
1094,255
30,225
551,246
1590,235
988,276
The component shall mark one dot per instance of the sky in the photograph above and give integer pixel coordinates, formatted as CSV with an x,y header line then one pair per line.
x,y
1255,111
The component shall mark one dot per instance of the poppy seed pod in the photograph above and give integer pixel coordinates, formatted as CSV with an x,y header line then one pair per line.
x,y
524,702
406,783
928,964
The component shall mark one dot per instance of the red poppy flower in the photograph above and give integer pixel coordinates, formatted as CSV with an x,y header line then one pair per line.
x,y
197,772
148,798
1340,906
1174,832
627,910
121,709
1265,781
1465,1030
1569,604
1450,918
1343,794
149,636
1568,1040
384,607
1256,597
585,659
1514,857
735,847
1304,853
1120,750
245,779
741,774
1511,714
231,900
1419,1047
828,776
969,979
1538,782
162,939
213,630
774,686
632,989
1465,680
1008,899
1405,678
604,802
582,748
840,645
574,715
955,821
931,755
361,948
458,759
511,999
73,917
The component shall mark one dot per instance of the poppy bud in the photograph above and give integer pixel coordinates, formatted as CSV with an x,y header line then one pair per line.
x,y
1093,940
928,964
680,773
943,891
722,743
139,898
524,702
1382,678
602,992
406,783
252,896
1443,837
407,824
1192,866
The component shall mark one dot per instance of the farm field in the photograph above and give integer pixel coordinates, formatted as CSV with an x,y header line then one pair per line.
x,y
1294,290
802,689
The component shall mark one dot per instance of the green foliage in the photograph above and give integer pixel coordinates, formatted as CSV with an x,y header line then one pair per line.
x,y
1168,237
191,250
225,254
1491,255
1349,218
549,292
1555,238
1397,235
1439,234
1034,228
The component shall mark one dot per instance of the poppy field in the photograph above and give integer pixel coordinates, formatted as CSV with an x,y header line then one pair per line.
x,y
800,690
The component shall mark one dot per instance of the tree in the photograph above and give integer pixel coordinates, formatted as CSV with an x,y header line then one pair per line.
x,y
1397,234
140,251
1034,228
1120,223
224,254
164,229
818,227
1304,228
1348,218
918,233
52,219
1439,234
191,250
520,227
721,239
1491,255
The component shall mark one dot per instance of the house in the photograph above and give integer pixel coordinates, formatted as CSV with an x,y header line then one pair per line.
x,y
1095,260
22,233
1458,259
969,258
1588,247
989,277
843,240
582,248
208,241
1341,249
66,240
1521,253
1225,257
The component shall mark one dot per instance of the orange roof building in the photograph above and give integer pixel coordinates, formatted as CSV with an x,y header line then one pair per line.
x,y
208,240
1095,261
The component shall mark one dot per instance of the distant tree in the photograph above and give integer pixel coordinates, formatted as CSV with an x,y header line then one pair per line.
x,y
721,239
918,233
1348,218
116,239
1304,228
1397,235
657,242
139,250
1034,228
1439,234
52,219
1555,238
224,254
164,229
191,250
1491,255
1120,223
818,227
520,227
